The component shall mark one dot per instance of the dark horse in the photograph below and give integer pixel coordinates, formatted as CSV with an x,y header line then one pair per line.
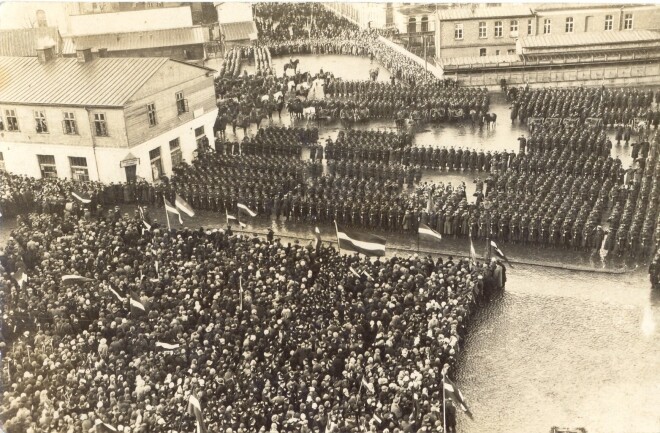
x,y
295,108
293,64
490,119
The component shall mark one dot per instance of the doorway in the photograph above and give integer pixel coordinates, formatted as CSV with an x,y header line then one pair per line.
x,y
131,173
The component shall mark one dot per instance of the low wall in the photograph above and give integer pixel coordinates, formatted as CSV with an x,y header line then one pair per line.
x,y
589,75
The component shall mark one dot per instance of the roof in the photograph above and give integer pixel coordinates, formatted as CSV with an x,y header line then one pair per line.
x,y
102,82
467,13
138,40
24,42
579,6
238,31
589,38
479,60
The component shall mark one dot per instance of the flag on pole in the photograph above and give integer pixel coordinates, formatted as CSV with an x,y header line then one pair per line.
x,y
429,204
114,292
82,198
367,244
317,240
183,206
21,277
473,253
75,279
455,395
242,207
428,233
101,427
499,253
172,209
354,272
369,277
144,221
136,305
232,218
195,409
166,347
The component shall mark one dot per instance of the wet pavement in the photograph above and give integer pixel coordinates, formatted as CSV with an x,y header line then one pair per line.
x,y
559,347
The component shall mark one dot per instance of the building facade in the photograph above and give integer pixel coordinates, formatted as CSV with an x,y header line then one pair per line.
x,y
481,31
107,119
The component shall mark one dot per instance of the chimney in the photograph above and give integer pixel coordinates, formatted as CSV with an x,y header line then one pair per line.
x,y
45,54
84,55
103,52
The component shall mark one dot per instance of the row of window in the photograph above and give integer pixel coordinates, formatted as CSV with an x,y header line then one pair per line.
x,y
41,125
547,26
181,107
77,164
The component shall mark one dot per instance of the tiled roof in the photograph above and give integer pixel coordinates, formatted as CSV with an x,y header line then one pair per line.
x,y
24,42
238,31
467,13
102,82
589,38
138,40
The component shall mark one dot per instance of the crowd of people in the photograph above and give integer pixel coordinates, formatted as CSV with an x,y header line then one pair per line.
x,y
614,106
267,336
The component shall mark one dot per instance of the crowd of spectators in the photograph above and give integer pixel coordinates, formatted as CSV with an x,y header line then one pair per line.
x,y
268,336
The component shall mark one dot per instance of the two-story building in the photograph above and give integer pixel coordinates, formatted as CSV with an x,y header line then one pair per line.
x,y
481,31
107,119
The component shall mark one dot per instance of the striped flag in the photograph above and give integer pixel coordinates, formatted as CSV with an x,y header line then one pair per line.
x,y
183,206
144,221
499,253
232,218
317,240
242,207
367,244
101,427
428,233
354,272
166,347
172,209
21,277
195,409
75,279
82,198
136,305
114,292
455,395
473,253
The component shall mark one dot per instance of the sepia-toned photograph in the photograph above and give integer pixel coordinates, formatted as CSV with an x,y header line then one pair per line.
x,y
314,217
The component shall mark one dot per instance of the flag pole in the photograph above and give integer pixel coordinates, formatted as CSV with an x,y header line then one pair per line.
x,y
167,215
418,221
337,233
444,406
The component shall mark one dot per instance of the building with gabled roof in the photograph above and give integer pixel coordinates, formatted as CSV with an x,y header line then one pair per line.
x,y
108,119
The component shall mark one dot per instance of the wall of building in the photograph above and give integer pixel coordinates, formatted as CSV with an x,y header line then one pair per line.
x,y
103,163
161,90
149,19
181,52
54,120
593,20
448,46
234,12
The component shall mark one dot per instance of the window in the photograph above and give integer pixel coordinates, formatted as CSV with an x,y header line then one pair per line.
x,y
40,122
47,166
2,122
627,22
569,25
458,31
546,26
181,103
608,22
12,121
175,152
200,136
511,51
497,52
529,27
2,163
482,52
412,25
156,163
79,170
69,123
425,24
498,29
100,126
483,29
151,113
514,27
